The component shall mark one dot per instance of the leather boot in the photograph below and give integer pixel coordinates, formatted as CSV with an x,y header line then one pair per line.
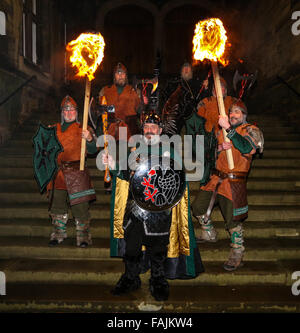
x,y
208,232
59,233
158,284
130,280
237,249
83,235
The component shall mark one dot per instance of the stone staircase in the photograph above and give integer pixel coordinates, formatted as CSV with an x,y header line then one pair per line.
x,y
69,279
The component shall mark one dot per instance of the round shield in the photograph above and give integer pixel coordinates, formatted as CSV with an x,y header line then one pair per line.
x,y
157,183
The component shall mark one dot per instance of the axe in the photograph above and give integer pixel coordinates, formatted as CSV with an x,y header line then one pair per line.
x,y
245,79
153,98
143,82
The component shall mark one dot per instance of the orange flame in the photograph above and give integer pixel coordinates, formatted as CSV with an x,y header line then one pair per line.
x,y
87,53
155,85
210,40
103,100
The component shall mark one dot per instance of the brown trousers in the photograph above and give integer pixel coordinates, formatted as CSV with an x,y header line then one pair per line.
x,y
201,202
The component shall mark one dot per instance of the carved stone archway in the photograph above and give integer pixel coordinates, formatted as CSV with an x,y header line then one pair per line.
x,y
159,16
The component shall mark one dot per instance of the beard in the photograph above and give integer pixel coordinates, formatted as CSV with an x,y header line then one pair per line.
x,y
121,82
237,121
69,119
153,140
187,76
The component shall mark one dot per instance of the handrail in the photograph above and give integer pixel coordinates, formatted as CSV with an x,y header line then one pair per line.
x,y
19,88
289,86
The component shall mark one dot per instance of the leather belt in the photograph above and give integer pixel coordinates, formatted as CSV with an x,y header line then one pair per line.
x,y
230,175
69,164
222,176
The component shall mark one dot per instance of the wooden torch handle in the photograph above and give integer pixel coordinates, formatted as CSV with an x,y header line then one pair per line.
x,y
221,107
85,121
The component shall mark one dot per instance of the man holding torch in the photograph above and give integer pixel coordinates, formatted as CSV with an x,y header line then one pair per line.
x,y
227,187
71,187
72,183
237,142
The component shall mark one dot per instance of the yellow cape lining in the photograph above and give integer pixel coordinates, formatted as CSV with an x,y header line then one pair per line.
x,y
179,231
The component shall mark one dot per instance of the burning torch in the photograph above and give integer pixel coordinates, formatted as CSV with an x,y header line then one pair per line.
x,y
87,54
209,43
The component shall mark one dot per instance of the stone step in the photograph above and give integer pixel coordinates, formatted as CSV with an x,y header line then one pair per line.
x,y
261,119
183,301
254,183
261,122
268,153
38,117
269,184
282,153
269,129
264,117
100,228
278,172
102,211
22,136
281,144
268,136
26,162
281,137
25,138
288,143
108,271
258,249
267,126
275,162
254,197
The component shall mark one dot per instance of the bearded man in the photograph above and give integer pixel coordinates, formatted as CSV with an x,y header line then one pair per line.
x,y
167,235
204,121
226,187
188,92
71,188
125,101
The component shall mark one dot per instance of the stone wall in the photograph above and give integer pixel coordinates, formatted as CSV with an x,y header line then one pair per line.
x,y
269,46
15,69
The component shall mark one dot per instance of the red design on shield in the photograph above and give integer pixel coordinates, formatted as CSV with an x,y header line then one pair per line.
x,y
147,183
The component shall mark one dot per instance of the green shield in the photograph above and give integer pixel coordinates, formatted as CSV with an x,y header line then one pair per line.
x,y
46,148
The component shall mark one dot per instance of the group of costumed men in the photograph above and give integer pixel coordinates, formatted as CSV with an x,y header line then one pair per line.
x,y
162,240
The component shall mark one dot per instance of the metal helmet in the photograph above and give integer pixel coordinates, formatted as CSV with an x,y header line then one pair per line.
x,y
120,68
151,117
67,104
240,104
